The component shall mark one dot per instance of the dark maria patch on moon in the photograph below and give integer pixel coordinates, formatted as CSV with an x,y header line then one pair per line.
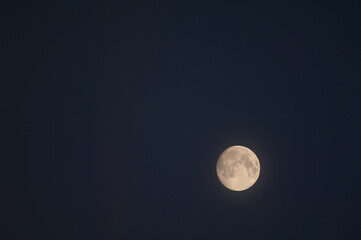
x,y
248,164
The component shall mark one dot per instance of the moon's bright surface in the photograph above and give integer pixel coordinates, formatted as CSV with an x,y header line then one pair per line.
x,y
238,168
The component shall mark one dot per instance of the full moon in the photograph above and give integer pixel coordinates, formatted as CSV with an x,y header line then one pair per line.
x,y
238,168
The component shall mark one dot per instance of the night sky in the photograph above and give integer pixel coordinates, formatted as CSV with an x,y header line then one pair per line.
x,y
113,115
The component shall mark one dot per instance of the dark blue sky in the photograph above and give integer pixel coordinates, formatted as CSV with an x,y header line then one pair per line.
x,y
114,115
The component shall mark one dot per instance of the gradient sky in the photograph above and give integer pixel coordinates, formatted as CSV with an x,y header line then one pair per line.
x,y
114,115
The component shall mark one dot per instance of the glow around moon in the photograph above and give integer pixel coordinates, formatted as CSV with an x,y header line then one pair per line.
x,y
238,168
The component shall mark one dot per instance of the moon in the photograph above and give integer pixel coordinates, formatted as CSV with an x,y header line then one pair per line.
x,y
238,168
